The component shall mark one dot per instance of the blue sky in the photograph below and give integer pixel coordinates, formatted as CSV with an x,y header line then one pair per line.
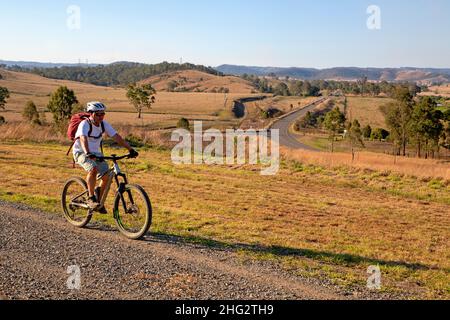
x,y
321,33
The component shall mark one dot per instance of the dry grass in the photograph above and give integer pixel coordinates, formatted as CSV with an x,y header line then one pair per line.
x,y
194,80
318,223
442,90
254,117
374,161
24,132
25,87
367,111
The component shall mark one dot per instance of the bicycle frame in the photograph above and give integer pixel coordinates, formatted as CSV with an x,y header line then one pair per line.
x,y
113,174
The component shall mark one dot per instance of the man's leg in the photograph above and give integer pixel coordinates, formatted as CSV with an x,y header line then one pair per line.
x,y
91,180
103,184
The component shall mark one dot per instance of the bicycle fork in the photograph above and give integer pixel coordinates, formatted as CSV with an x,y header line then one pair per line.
x,y
121,190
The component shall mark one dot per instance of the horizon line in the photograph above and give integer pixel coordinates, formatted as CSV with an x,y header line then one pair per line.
x,y
223,64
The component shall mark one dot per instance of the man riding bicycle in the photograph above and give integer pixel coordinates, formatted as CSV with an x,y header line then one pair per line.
x,y
86,150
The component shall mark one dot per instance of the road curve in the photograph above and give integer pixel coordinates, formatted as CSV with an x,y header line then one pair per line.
x,y
287,138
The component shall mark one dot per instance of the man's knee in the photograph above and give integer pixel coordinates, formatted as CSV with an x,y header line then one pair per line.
x,y
93,171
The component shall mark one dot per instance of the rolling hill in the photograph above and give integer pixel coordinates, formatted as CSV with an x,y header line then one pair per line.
x,y
166,111
197,81
114,74
424,75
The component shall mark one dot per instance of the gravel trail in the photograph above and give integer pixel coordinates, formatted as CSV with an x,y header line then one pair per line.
x,y
36,248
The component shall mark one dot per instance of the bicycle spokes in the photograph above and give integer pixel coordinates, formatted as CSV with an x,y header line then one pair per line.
x,y
132,211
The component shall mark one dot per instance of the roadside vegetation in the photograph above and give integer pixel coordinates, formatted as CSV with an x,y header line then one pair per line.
x,y
413,125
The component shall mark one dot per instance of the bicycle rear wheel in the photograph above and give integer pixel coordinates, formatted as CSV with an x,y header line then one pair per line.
x,y
133,212
73,200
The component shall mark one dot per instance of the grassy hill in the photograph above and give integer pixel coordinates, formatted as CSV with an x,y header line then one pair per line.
x,y
115,74
168,109
198,81
421,75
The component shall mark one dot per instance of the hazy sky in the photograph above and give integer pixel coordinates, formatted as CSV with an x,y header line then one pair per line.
x,y
320,33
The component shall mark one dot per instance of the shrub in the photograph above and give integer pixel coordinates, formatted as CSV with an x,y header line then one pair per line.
x,y
31,114
134,141
183,123
379,134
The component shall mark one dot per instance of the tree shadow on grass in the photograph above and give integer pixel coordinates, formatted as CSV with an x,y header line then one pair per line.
x,y
342,259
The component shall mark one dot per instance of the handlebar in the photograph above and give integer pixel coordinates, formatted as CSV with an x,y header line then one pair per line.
x,y
114,157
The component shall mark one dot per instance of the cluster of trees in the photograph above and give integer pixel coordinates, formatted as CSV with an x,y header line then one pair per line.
x,y
116,74
313,88
271,113
412,121
220,90
260,84
417,122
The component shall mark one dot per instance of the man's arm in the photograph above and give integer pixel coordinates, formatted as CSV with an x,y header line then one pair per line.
x,y
121,142
84,144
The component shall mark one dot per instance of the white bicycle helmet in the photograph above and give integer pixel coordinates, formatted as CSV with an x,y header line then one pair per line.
x,y
95,106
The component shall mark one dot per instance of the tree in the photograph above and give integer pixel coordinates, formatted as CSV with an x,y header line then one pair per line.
x,y
308,121
362,84
398,117
141,97
354,134
306,88
445,136
4,94
367,131
281,89
183,123
31,114
171,86
61,104
334,122
379,134
426,124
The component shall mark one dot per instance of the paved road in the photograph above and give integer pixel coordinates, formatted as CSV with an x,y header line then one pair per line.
x,y
36,248
287,138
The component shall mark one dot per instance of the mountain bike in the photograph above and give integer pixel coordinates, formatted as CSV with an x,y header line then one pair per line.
x,y
132,210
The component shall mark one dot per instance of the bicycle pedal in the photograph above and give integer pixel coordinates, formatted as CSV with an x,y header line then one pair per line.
x,y
102,210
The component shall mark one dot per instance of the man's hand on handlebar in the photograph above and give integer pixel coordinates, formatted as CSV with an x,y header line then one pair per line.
x,y
133,153
91,156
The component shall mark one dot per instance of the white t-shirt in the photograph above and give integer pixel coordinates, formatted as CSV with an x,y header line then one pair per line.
x,y
94,144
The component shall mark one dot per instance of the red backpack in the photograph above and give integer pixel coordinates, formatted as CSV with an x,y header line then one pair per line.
x,y
75,122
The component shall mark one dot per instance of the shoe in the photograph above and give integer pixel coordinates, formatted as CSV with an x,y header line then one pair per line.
x,y
102,210
92,203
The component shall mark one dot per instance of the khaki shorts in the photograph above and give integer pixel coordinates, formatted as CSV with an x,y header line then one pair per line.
x,y
89,164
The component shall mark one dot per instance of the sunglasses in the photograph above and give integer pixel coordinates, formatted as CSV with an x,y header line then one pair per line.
x,y
100,114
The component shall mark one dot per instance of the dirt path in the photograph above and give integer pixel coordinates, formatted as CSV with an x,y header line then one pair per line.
x,y
36,249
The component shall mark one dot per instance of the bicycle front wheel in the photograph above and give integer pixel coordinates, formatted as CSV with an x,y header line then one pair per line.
x,y
133,212
73,200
